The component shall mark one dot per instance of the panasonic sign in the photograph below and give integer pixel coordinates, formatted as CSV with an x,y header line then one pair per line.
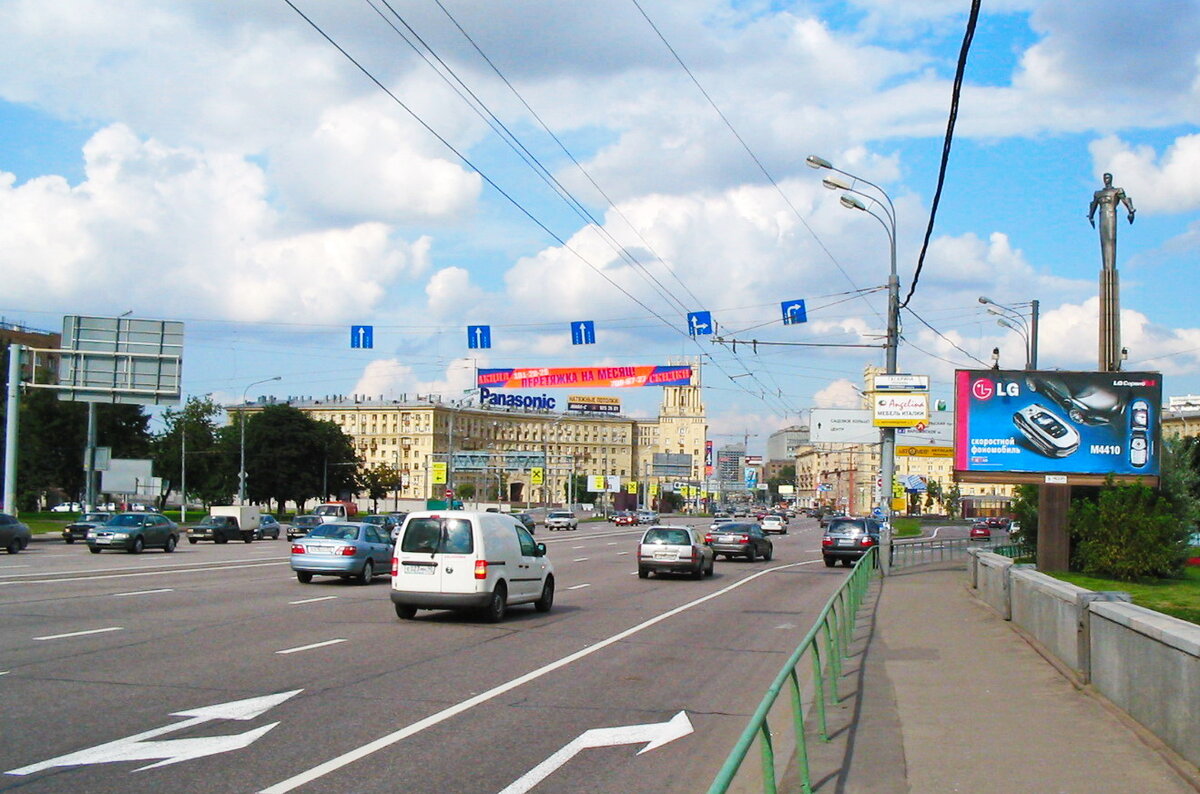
x,y
542,403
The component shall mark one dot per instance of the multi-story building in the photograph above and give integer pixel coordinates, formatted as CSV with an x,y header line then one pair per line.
x,y
497,449
45,364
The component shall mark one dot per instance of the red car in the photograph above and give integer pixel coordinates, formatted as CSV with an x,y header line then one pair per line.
x,y
981,531
626,520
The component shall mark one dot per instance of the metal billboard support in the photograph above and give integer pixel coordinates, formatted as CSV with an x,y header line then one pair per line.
x,y
11,428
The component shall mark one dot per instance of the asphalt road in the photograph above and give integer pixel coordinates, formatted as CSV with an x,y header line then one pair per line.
x,y
213,670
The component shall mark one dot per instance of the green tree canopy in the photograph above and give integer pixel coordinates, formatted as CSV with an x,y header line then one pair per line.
x,y
292,457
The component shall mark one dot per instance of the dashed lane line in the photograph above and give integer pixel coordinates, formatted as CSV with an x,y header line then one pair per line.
x,y
79,633
310,647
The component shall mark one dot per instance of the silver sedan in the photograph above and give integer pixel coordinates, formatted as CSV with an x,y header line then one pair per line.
x,y
346,549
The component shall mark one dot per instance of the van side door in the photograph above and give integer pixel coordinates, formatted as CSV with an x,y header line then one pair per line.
x,y
531,569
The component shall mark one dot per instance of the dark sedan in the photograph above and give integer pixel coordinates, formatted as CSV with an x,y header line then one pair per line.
x,y
14,535
78,529
846,539
740,540
133,532
302,525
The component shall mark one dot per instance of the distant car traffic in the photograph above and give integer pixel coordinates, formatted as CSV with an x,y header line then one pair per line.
x,y
302,525
772,523
674,549
354,550
78,529
625,519
133,532
67,507
719,521
647,517
740,540
14,534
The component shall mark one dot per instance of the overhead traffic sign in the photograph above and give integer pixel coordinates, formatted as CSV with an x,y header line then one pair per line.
x,y
794,312
479,337
699,323
583,332
362,336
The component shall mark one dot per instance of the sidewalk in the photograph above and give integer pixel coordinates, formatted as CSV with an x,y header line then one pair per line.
x,y
954,699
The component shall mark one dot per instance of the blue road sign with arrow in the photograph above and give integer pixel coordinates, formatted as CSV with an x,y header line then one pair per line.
x,y
479,337
700,323
583,332
362,336
794,312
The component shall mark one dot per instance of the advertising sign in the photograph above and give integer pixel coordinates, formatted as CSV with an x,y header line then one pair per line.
x,y
599,483
902,383
1082,424
900,410
438,469
669,464
924,452
854,426
594,377
708,459
593,404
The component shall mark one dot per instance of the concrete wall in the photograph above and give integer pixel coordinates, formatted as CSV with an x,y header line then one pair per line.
x,y
1145,662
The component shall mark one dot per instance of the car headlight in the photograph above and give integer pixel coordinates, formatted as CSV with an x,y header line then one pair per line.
x,y
120,535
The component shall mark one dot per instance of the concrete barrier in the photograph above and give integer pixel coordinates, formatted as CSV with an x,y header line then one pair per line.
x,y
991,580
1148,664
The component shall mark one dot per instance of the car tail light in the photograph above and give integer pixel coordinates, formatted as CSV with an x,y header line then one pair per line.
x,y
708,538
297,548
826,541
744,539
395,567
867,540
348,551
481,569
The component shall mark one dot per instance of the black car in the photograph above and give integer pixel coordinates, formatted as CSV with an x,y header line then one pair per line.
x,y
302,525
740,539
846,539
527,521
78,529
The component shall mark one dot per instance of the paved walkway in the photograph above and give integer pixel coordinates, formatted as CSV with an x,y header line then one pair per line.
x,y
954,699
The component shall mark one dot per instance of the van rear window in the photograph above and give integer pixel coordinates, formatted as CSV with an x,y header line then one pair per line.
x,y
437,535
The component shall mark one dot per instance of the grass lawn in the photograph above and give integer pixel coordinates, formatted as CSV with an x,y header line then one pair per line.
x,y
1179,598
906,528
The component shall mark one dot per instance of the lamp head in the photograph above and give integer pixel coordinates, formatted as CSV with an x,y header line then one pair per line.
x,y
850,202
985,299
833,183
817,162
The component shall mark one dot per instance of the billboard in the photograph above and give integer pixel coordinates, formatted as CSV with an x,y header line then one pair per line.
x,y
902,409
1086,425
121,360
591,377
855,426
593,404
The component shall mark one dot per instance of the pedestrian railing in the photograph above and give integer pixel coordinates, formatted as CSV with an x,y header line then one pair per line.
x,y
826,644
1014,550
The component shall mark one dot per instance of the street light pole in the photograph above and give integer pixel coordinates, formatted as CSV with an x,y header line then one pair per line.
x,y
242,412
888,221
1030,327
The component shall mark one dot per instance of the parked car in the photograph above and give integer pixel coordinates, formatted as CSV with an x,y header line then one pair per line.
x,y
997,522
302,525
674,549
14,534
347,549
387,523
740,540
981,530
561,519
268,526
846,539
529,522
772,523
133,532
469,560
648,517
78,529
67,507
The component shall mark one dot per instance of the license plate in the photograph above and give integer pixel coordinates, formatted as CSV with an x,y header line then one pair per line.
x,y
728,538
426,570
845,541
103,540
666,555
318,549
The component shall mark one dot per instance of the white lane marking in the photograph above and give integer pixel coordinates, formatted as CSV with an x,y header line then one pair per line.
x,y
310,647
581,559
79,633
143,592
145,573
5,672
579,586
167,567
6,567
388,740
573,548
622,553
611,544
313,600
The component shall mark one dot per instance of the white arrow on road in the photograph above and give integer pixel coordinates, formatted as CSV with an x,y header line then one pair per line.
x,y
655,734
137,748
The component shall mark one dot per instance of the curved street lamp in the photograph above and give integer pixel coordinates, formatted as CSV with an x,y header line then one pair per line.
x,y
1030,326
242,412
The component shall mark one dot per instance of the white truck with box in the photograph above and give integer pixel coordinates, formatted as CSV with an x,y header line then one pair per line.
x,y
225,523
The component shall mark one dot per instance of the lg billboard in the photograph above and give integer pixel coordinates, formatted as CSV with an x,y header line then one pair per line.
x,y
1085,425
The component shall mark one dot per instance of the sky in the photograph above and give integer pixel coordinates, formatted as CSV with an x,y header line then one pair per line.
x,y
272,173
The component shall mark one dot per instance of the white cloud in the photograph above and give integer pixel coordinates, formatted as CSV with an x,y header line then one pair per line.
x,y
1157,185
391,379
840,393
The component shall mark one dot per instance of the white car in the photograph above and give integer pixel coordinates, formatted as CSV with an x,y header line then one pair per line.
x,y
674,549
719,521
66,507
773,524
561,519
462,560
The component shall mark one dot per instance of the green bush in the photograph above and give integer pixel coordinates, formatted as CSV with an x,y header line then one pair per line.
x,y
1127,532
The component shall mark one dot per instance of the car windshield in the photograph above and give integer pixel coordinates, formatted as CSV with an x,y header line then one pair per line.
x,y
126,521
432,535
335,532
674,537
562,514
374,520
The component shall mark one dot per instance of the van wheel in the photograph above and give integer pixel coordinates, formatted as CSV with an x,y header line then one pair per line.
x,y
643,573
304,577
247,537
366,574
497,605
544,603
405,612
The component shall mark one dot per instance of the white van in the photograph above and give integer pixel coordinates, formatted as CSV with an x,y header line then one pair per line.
x,y
459,559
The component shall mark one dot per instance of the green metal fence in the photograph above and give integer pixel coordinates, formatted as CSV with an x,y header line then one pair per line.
x,y
826,644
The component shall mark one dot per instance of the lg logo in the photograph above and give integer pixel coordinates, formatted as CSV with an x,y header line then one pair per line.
x,y
984,389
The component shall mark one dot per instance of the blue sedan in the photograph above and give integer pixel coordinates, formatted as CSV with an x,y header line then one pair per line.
x,y
349,550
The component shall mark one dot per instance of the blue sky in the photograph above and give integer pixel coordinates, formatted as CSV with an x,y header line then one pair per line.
x,y
221,164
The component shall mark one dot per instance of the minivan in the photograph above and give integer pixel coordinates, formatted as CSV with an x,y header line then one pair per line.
x,y
467,560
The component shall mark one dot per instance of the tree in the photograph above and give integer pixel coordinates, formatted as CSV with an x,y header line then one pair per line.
x,y
933,493
787,476
582,495
1128,532
380,480
193,431
951,500
292,457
